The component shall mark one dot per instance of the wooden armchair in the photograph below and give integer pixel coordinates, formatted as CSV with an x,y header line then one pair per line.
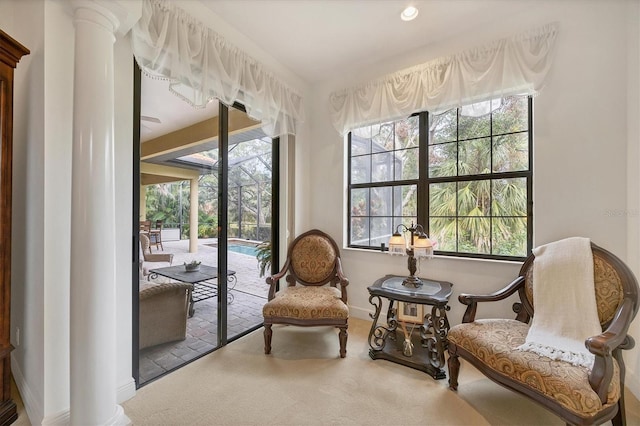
x,y
313,260
575,393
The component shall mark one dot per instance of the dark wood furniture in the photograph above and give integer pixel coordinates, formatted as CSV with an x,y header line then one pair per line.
x,y
574,393
156,235
203,280
10,53
429,339
313,261
150,260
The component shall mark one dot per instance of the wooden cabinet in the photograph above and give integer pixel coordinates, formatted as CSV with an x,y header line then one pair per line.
x,y
10,53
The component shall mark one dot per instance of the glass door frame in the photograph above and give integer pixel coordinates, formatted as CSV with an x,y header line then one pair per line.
x,y
223,173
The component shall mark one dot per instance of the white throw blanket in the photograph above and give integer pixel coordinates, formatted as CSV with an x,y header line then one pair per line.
x,y
565,303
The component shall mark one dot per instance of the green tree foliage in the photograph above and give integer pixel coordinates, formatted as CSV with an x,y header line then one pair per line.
x,y
249,194
479,215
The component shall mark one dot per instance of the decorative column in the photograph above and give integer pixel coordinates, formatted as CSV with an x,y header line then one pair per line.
x,y
193,215
93,287
143,202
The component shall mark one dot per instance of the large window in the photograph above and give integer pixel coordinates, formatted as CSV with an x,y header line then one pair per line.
x,y
465,175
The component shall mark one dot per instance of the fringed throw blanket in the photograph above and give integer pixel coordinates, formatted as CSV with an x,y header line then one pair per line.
x,y
565,303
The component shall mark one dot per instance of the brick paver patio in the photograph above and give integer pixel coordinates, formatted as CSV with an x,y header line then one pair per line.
x,y
244,312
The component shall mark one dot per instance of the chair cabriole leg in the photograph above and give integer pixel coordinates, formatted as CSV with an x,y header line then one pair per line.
x,y
454,369
342,336
267,338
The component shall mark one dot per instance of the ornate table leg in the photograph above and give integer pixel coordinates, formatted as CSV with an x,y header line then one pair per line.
x,y
232,280
379,333
434,335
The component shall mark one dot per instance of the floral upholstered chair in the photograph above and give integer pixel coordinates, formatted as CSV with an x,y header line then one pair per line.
x,y
578,394
316,291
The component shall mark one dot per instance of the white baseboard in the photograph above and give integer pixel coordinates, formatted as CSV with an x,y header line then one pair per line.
x,y
32,407
35,412
64,418
359,313
126,391
632,382
365,314
61,418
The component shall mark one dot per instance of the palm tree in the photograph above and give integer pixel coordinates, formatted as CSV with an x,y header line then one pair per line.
x,y
477,214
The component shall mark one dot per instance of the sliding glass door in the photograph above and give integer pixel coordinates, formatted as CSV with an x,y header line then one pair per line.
x,y
205,195
250,218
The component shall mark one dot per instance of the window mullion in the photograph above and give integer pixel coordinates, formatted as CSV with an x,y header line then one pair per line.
x,y
460,139
423,171
491,171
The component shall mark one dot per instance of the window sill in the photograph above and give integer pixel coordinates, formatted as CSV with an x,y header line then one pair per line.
x,y
453,258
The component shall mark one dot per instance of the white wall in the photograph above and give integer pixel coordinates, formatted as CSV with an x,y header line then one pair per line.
x,y
632,213
42,188
28,230
580,149
42,193
123,159
58,103
582,139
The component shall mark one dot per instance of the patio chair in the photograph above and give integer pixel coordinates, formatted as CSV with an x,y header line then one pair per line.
x,y
163,312
150,261
145,228
577,393
156,235
313,261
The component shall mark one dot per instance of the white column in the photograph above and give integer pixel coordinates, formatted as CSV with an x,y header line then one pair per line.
x,y
193,215
143,202
93,287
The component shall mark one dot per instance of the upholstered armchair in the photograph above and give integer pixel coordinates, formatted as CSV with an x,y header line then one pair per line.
x,y
316,291
150,261
576,393
163,312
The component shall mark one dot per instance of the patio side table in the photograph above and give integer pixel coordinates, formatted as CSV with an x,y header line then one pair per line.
x,y
202,280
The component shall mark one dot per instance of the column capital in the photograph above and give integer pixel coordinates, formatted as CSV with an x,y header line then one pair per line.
x,y
122,14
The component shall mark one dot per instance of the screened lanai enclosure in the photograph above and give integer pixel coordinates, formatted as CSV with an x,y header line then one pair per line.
x,y
207,191
249,193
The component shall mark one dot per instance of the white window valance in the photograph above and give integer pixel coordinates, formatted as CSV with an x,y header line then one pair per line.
x,y
515,65
201,66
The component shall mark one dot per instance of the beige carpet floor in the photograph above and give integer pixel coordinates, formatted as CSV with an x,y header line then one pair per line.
x,y
304,382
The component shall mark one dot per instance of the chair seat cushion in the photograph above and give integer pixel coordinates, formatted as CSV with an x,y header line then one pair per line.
x,y
494,341
309,302
147,266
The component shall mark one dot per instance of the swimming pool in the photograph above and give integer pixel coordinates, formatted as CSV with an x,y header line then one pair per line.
x,y
247,250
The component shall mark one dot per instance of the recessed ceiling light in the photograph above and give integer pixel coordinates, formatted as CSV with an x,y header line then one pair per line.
x,y
409,13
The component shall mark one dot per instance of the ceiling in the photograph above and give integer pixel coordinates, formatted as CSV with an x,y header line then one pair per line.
x,y
316,38
166,112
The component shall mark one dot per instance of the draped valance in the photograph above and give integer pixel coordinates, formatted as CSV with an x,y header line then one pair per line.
x,y
201,65
515,65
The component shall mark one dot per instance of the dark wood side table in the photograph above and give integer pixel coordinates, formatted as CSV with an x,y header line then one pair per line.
x,y
430,338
